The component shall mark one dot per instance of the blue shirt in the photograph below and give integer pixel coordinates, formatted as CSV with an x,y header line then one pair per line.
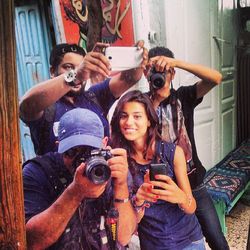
x,y
165,225
38,190
105,99
42,187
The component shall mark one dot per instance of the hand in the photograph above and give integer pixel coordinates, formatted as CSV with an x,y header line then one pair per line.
x,y
144,193
95,76
162,63
140,45
100,47
85,187
171,192
119,166
134,75
94,63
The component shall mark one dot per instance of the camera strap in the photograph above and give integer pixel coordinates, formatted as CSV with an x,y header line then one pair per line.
x,y
103,234
112,223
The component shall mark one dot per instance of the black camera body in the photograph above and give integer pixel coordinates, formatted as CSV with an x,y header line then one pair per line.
x,y
156,78
96,169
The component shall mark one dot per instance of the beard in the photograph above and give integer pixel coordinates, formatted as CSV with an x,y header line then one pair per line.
x,y
77,92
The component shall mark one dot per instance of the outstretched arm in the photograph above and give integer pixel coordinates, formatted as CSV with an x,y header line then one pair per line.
x,y
126,79
44,94
209,77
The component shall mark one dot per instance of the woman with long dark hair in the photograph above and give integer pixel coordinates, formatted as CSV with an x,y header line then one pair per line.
x,y
165,205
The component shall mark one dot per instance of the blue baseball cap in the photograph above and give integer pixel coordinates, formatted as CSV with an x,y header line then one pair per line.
x,y
79,127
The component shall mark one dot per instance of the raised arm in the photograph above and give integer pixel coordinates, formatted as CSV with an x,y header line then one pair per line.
x,y
44,94
126,79
209,77
127,218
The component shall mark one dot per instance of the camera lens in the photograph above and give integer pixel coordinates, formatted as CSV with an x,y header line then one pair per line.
x,y
97,170
157,80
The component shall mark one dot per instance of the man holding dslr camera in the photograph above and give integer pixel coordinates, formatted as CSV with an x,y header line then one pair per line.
x,y
70,201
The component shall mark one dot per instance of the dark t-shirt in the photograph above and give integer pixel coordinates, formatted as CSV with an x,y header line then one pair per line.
x,y
39,193
187,97
44,182
105,99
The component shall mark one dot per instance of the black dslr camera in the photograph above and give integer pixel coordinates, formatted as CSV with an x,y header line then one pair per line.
x,y
156,78
97,169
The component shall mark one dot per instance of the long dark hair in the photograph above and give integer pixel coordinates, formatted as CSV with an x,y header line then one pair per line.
x,y
117,138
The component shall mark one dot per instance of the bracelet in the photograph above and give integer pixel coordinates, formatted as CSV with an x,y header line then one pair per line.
x,y
141,207
188,205
122,200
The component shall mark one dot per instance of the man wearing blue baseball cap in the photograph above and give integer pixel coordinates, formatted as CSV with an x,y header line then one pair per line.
x,y
78,197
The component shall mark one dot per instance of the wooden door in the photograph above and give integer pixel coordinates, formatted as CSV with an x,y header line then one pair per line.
x,y
33,47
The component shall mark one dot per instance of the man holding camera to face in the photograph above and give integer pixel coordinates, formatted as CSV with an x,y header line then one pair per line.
x,y
175,109
78,198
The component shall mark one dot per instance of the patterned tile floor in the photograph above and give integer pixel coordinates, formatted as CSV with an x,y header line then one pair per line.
x,y
237,226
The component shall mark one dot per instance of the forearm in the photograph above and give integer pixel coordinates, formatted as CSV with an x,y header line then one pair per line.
x,y
124,80
44,229
188,205
132,76
139,206
42,96
183,195
127,217
204,73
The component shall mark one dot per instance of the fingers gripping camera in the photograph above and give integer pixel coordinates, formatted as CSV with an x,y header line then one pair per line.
x,y
96,169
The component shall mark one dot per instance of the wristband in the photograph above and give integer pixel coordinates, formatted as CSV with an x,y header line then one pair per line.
x,y
122,200
188,205
141,207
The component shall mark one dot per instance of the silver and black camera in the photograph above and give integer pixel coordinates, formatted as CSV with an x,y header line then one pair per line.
x,y
97,169
156,78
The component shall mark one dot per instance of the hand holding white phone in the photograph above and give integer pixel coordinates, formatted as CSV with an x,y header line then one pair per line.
x,y
124,58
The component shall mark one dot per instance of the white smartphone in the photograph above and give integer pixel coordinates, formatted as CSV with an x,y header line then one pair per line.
x,y
124,58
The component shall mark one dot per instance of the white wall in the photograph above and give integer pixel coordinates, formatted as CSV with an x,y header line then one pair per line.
x,y
191,29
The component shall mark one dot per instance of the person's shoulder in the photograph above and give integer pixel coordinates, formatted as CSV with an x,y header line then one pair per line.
x,y
187,94
186,89
178,151
32,170
34,123
169,145
101,85
40,162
